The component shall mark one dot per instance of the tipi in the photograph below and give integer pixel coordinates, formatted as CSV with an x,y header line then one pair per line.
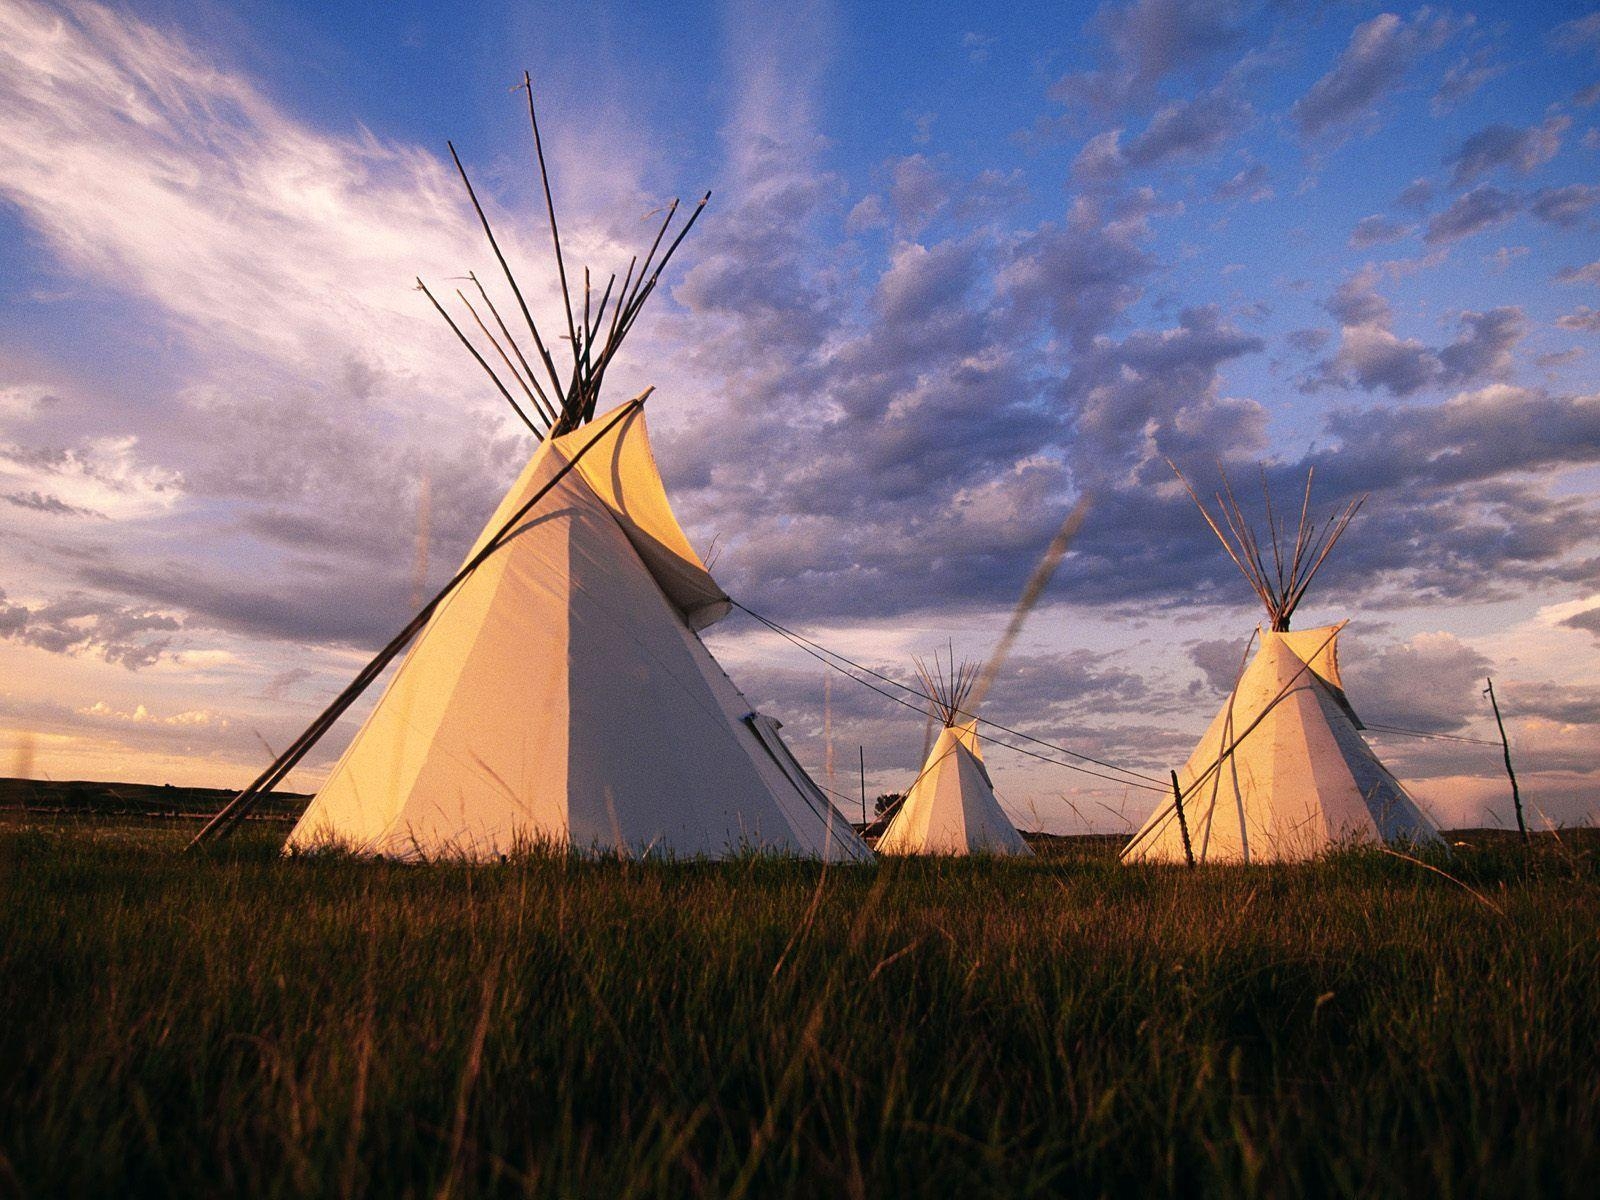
x,y
1283,773
556,694
951,807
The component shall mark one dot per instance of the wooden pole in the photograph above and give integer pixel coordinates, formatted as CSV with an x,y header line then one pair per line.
x,y
538,342
1183,822
862,750
1505,746
473,350
550,207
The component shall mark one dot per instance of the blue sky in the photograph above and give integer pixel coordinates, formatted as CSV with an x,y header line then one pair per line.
x,y
958,271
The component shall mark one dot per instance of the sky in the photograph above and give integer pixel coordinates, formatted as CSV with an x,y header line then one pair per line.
x,y
958,272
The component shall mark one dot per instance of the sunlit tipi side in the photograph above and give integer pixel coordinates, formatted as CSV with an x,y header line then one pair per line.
x,y
951,806
1283,773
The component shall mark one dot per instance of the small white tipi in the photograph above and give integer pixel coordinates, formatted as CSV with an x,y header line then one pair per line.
x,y
951,806
1283,773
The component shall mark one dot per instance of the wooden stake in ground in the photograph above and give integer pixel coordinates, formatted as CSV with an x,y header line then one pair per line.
x,y
1505,746
862,751
1183,822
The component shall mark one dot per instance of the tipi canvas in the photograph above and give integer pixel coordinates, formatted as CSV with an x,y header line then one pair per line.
x,y
951,806
560,695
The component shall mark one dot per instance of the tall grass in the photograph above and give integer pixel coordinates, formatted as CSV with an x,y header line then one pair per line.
x,y
244,1024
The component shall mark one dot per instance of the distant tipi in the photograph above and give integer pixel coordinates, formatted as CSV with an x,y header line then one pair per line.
x,y
556,694
1283,773
951,807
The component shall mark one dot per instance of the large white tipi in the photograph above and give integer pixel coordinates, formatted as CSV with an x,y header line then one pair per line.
x,y
555,694
951,806
1283,773
561,696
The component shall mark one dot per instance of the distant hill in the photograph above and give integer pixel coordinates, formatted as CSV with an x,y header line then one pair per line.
x,y
85,798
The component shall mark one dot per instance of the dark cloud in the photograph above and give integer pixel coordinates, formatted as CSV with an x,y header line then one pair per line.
x,y
1430,683
1190,128
1183,129
1062,688
1220,661
1588,273
1371,356
1469,73
1308,341
278,687
1564,704
923,188
1249,184
926,284
1484,346
1581,319
322,532
1455,513
43,503
991,193
1472,438
1376,230
917,190
1084,272
329,603
1356,301
921,419
1416,195
1588,620
1145,42
1577,36
1377,58
1482,208
82,624
1155,393
868,214
1506,147
1565,206
754,264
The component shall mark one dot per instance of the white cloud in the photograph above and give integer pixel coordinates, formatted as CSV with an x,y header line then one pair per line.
x,y
103,476
195,718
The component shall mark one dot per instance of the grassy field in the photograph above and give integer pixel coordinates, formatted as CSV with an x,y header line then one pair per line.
x,y
244,1024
